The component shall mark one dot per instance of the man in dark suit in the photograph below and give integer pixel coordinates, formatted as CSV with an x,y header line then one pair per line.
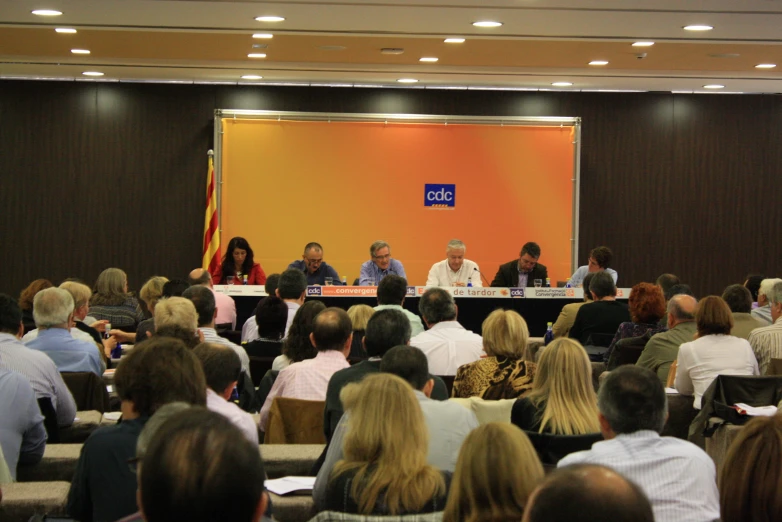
x,y
526,268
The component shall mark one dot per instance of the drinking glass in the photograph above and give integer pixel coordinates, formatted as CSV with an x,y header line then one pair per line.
x,y
538,283
370,282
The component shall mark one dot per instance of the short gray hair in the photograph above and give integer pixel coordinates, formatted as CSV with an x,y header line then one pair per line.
x,y
456,244
775,296
52,307
632,399
437,305
377,245
676,311
766,286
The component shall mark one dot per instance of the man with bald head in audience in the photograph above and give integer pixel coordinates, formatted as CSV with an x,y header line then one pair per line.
x,y
226,307
663,348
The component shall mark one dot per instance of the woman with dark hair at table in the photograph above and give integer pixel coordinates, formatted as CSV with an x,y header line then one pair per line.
x,y
26,301
239,264
647,307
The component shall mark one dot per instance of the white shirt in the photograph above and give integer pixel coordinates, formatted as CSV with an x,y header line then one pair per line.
x,y
448,345
677,476
441,274
210,336
701,360
250,328
766,343
241,419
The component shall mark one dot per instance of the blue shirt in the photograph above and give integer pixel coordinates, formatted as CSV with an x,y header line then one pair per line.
x,y
69,354
369,270
577,279
22,434
319,276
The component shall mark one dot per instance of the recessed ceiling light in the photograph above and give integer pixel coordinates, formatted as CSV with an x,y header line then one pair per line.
x,y
714,86
252,77
256,55
765,66
562,84
407,80
430,59
92,73
598,62
270,19
486,23
264,36
698,27
66,30
454,40
46,12
80,51
643,44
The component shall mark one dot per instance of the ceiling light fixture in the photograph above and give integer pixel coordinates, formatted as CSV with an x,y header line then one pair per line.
x,y
765,66
46,12
562,84
429,59
80,51
92,73
598,62
264,36
487,23
270,19
714,86
454,40
256,55
252,77
65,30
698,27
643,44
407,80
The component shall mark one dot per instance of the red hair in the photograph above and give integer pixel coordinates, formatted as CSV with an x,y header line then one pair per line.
x,y
647,304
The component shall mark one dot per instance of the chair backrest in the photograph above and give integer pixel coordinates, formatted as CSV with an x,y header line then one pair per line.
x,y
294,421
88,390
267,381
553,448
487,410
774,367
448,380
258,368
627,351
235,336
49,420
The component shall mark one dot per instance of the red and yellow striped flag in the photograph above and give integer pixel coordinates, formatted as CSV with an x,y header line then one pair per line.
x,y
211,258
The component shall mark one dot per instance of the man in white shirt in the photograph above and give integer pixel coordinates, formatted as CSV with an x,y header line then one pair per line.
x,y
447,344
455,270
291,288
678,477
222,369
391,294
766,342
763,312
226,307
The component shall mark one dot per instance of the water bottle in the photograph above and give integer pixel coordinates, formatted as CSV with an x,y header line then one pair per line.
x,y
244,279
106,331
549,334
344,281
116,353
469,282
548,282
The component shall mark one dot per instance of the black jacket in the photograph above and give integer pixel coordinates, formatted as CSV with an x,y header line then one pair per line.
x,y
508,275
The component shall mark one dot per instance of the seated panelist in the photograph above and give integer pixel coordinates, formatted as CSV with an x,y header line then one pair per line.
x,y
314,267
522,271
380,265
455,270
599,259
239,265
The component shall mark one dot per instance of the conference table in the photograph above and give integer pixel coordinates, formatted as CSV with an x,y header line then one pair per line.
x,y
538,306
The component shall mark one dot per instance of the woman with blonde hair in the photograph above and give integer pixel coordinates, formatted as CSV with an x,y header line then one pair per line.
x,y
359,316
504,374
496,473
562,400
111,301
384,470
150,293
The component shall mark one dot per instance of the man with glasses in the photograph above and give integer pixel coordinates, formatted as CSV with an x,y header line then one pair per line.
x,y
380,265
315,269
522,271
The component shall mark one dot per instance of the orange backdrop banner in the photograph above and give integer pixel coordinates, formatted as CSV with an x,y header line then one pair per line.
x,y
347,184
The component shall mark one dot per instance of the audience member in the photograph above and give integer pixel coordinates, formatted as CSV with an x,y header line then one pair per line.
x,y
447,344
154,373
562,400
751,475
714,351
753,285
384,471
588,493
81,294
391,292
523,271
22,434
250,327
308,380
495,475
314,268
26,301
359,316
646,307
226,307
150,294
204,301
680,289
666,282
297,346
380,265
291,288
176,317
739,300
663,348
112,302
53,312
602,317
454,270
39,370
222,370
239,265
763,312
385,329
567,316
271,315
176,482
766,342
599,259
174,288
504,374
448,424
678,477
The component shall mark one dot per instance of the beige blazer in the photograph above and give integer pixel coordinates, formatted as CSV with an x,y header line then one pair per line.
x,y
566,319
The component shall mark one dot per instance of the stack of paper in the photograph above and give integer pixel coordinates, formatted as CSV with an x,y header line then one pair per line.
x,y
755,411
285,485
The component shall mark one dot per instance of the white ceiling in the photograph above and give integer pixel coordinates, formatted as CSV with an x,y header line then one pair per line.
x,y
738,24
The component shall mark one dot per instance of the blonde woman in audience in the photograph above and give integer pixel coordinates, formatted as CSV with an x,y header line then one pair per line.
x,y
504,374
384,471
562,400
150,293
359,315
112,302
177,317
751,476
496,472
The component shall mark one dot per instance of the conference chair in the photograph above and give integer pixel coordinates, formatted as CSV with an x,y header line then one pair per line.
x,y
49,420
597,345
774,367
448,380
627,351
295,421
553,448
88,390
259,367
265,385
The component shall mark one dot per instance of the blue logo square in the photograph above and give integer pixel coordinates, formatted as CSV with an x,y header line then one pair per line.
x,y
313,290
439,195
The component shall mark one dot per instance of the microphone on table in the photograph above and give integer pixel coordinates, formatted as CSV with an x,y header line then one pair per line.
x,y
482,276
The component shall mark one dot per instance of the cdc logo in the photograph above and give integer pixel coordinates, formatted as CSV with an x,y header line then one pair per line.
x,y
436,195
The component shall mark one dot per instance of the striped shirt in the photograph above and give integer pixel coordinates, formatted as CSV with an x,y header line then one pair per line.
x,y
210,336
677,476
40,370
766,342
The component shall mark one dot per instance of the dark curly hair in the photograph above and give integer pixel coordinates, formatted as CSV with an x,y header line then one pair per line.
x,y
297,346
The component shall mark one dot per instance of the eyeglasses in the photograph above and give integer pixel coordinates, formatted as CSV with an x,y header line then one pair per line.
x,y
387,256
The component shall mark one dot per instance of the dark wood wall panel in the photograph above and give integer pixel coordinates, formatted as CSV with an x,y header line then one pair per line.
x,y
102,174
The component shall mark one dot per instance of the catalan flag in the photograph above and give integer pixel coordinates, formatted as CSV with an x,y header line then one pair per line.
x,y
211,258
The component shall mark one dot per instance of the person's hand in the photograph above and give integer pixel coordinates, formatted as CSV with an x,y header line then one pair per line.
x,y
108,345
123,337
100,325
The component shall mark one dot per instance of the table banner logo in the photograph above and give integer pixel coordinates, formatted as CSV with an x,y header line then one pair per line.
x,y
343,291
410,291
439,195
517,292
313,290
551,292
